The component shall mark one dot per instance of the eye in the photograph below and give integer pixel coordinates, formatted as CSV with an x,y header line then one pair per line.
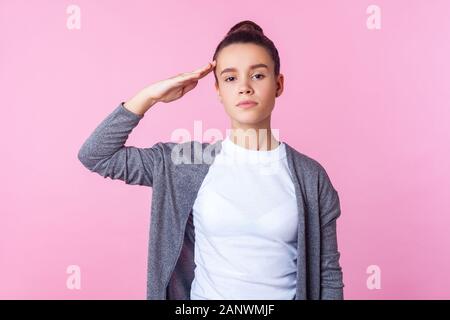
x,y
258,74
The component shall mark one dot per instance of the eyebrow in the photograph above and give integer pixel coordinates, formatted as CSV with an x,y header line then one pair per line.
x,y
259,65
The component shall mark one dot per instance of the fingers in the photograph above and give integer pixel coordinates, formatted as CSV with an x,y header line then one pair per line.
x,y
203,69
199,73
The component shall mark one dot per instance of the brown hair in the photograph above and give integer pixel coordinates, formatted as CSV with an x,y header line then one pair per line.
x,y
249,32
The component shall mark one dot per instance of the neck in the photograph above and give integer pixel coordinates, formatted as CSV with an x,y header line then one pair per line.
x,y
253,136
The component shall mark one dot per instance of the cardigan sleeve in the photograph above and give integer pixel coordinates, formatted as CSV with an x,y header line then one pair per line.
x,y
105,153
331,272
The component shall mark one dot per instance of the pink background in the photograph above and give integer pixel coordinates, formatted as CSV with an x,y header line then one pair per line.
x,y
372,106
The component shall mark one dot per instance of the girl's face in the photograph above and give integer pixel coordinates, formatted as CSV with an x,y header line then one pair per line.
x,y
246,72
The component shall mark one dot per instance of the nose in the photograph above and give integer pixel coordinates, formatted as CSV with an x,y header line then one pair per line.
x,y
245,89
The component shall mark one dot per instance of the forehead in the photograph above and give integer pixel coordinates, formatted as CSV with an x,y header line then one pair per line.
x,y
242,56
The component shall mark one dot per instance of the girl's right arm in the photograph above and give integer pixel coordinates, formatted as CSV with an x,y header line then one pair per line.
x,y
105,153
167,90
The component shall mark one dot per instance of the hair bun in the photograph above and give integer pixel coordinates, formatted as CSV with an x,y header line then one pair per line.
x,y
246,25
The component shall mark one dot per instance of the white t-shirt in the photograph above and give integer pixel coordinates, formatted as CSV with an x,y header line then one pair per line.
x,y
245,218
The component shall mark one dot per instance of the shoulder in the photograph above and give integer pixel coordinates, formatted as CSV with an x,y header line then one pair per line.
x,y
310,168
169,145
191,151
304,161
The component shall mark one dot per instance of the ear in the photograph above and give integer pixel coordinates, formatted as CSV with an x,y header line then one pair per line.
x,y
280,85
218,92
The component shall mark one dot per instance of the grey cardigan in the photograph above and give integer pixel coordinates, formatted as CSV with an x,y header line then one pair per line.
x,y
175,185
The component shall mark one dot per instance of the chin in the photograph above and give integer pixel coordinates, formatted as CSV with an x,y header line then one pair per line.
x,y
249,118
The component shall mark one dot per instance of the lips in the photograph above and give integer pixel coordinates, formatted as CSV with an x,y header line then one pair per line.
x,y
247,104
